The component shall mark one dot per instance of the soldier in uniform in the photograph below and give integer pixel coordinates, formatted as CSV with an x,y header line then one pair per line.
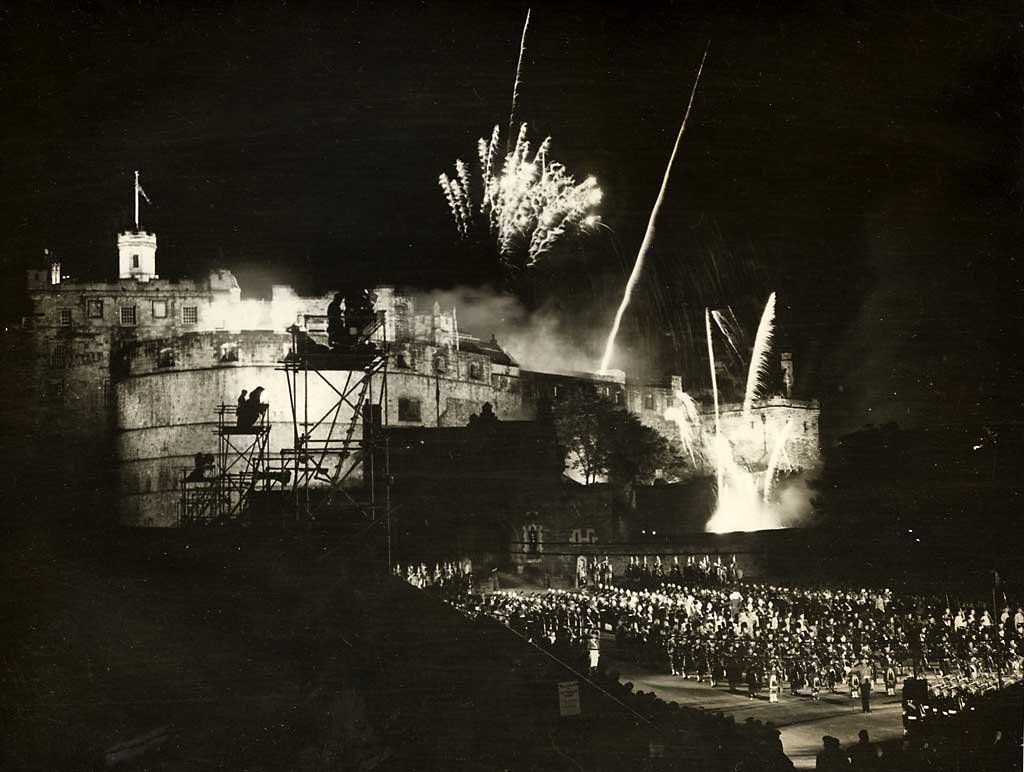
x,y
773,685
854,683
753,679
594,648
714,666
815,677
701,661
795,678
732,671
671,644
890,679
865,695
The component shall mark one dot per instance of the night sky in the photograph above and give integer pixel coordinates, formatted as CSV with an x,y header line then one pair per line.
x,y
864,161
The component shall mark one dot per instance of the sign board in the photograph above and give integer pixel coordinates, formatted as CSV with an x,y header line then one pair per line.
x,y
569,698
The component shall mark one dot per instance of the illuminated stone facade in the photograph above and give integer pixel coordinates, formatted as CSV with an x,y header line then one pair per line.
x,y
129,372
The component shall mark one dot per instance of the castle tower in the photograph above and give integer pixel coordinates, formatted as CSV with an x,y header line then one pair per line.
x,y
136,249
136,255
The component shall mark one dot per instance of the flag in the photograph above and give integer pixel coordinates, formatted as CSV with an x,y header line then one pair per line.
x,y
138,187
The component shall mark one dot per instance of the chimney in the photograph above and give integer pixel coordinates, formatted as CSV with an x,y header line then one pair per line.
x,y
54,267
787,372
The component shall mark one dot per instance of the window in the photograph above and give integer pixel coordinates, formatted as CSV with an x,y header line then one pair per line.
x,y
533,548
554,391
229,352
94,309
57,355
583,536
128,315
404,358
648,400
65,317
189,315
476,371
108,393
135,261
409,409
166,358
159,309
441,364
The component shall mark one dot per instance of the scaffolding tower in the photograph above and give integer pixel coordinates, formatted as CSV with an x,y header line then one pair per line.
x,y
339,460
220,489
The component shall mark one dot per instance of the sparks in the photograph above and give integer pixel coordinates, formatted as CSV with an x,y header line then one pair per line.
x,y
686,416
773,459
758,370
527,207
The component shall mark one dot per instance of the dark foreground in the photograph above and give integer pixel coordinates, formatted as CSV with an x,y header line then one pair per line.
x,y
230,650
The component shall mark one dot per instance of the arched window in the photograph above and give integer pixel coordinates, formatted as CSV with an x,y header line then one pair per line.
x,y
532,540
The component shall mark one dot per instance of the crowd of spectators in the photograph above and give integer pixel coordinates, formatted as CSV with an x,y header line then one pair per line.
x,y
699,620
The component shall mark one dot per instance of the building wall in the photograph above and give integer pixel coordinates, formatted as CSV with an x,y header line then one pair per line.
x,y
150,388
753,438
166,403
166,412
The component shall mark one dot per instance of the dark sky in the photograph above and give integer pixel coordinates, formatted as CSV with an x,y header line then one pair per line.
x,y
863,160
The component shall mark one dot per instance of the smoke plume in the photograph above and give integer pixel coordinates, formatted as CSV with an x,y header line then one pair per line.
x,y
547,339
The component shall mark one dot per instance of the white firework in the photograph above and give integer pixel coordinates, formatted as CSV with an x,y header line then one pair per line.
x,y
527,207
686,416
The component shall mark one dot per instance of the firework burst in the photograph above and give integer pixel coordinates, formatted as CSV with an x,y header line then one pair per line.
x,y
759,356
526,207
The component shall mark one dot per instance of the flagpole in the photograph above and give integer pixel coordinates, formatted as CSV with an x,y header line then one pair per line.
x,y
136,199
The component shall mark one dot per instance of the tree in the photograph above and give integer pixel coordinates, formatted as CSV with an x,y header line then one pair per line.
x,y
634,452
580,418
603,439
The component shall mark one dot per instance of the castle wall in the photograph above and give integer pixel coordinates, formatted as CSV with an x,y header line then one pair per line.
x,y
753,438
165,412
167,397
148,383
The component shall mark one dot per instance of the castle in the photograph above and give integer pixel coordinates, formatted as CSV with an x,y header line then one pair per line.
x,y
128,373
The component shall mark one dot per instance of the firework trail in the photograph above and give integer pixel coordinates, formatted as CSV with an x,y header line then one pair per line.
x,y
686,417
714,391
773,459
515,87
649,234
726,325
526,208
759,357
